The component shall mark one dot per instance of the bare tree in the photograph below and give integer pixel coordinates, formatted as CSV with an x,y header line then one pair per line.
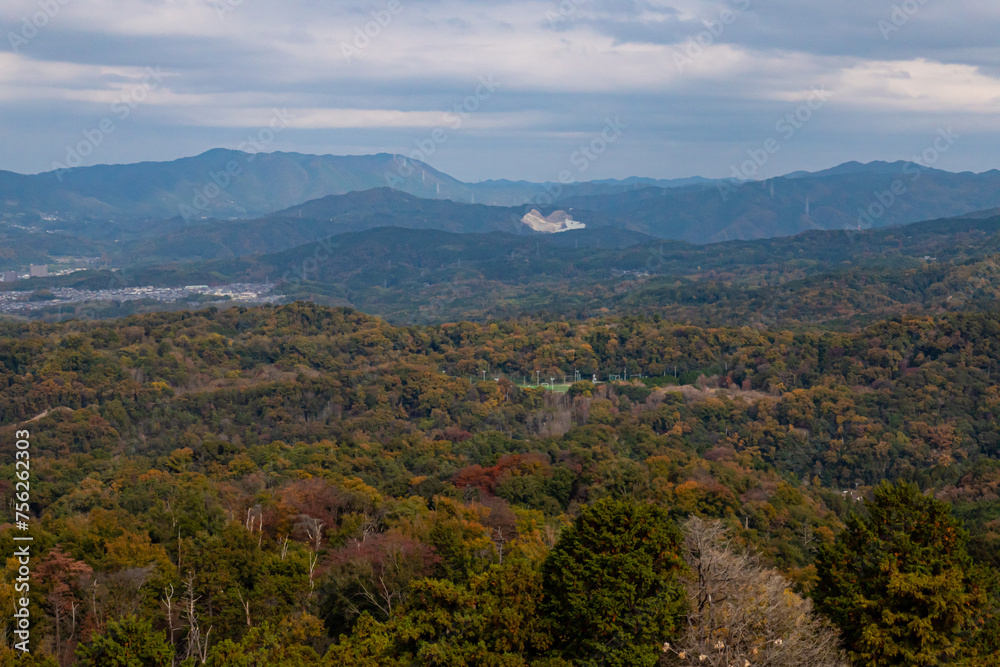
x,y
369,525
313,561
171,611
807,535
246,605
255,521
744,613
197,645
123,594
314,531
66,578
376,574
499,542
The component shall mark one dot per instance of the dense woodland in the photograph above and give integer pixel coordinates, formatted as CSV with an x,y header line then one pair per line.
x,y
302,485
841,279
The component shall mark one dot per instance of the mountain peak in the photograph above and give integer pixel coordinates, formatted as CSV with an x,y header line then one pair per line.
x,y
855,168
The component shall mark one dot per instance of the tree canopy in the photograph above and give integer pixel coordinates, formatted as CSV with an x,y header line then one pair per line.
x,y
611,584
899,582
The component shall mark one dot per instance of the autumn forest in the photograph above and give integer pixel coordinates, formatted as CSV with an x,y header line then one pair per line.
x,y
300,485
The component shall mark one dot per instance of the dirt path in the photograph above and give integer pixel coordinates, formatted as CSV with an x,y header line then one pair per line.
x,y
692,393
48,412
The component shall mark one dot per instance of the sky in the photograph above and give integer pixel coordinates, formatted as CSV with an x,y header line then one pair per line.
x,y
485,89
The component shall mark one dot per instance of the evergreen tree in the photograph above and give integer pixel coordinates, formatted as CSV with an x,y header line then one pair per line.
x,y
899,582
611,586
131,642
263,646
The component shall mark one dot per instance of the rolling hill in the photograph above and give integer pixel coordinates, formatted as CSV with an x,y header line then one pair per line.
x,y
125,200
852,196
320,218
834,278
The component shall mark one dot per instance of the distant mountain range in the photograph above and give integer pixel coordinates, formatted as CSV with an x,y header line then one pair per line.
x,y
852,196
228,184
226,204
316,219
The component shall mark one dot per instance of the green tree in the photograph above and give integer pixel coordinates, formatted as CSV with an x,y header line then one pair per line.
x,y
13,658
263,646
899,582
370,644
611,585
491,622
131,642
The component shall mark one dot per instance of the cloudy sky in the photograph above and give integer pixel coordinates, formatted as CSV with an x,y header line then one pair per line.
x,y
504,88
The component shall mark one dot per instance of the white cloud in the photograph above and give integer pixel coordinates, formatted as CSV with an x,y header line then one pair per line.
x,y
23,78
320,119
229,68
921,86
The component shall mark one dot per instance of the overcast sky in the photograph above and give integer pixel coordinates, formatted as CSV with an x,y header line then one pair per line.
x,y
695,84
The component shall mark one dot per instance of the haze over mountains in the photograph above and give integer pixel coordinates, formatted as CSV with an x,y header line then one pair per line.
x,y
319,218
412,251
849,197
231,184
834,278
129,201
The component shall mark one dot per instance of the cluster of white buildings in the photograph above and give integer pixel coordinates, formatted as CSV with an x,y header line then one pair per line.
x,y
34,271
20,302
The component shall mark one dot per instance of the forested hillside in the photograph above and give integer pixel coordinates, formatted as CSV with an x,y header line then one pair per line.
x,y
839,279
300,485
838,198
499,334
225,204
